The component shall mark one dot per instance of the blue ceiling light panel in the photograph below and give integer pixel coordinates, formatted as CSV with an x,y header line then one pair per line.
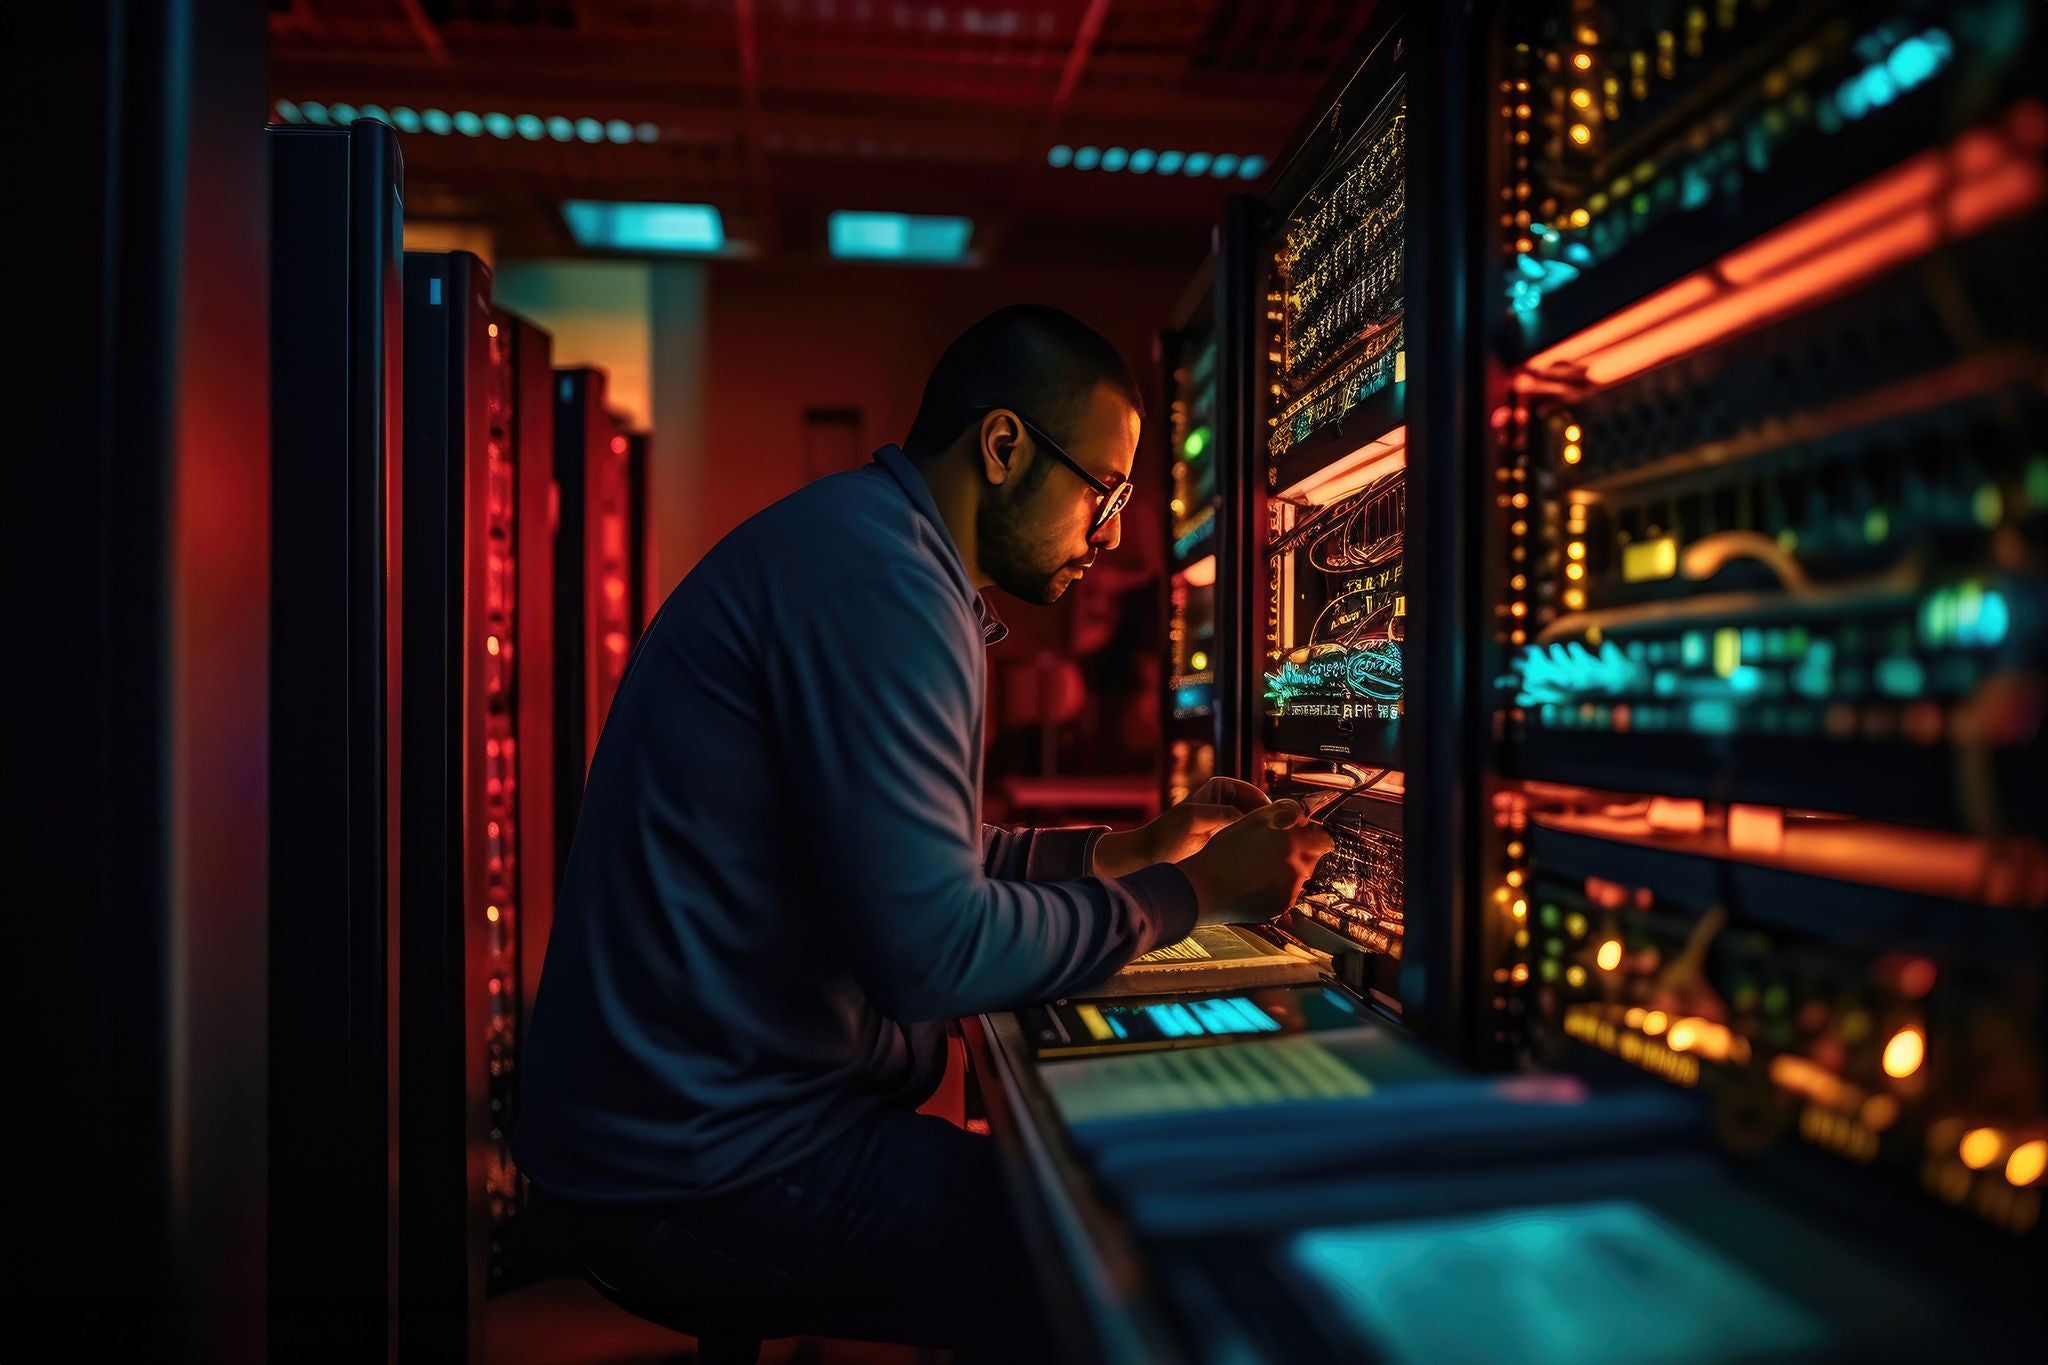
x,y
668,229
899,237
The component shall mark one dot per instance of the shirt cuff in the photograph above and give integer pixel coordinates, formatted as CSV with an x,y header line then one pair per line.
x,y
1167,897
1062,855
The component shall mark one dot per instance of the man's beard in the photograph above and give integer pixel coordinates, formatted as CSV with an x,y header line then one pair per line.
x,y
1010,558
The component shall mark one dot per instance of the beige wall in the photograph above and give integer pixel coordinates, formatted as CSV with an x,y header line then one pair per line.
x,y
598,314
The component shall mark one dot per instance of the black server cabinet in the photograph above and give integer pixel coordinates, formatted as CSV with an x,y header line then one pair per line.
x,y
641,562
1330,478
477,785
336,579
1760,568
595,625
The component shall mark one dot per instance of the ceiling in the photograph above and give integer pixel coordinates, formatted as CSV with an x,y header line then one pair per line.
x,y
779,111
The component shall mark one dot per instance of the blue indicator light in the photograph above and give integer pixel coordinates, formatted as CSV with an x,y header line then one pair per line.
x,y
1060,157
1087,158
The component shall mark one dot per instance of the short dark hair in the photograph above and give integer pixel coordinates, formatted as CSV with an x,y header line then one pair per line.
x,y
1039,360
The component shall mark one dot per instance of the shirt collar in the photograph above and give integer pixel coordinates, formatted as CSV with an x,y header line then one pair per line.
x,y
898,466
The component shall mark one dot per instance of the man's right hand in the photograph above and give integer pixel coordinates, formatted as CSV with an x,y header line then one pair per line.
x,y
1253,869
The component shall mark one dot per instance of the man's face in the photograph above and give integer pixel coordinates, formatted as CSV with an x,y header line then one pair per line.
x,y
1035,544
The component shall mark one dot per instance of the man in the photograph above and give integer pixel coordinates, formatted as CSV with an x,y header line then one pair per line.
x,y
779,890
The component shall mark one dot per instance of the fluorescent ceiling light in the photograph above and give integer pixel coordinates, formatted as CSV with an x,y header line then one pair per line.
x,y
644,227
898,237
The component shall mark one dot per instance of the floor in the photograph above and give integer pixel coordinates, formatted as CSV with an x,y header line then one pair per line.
x,y
564,1322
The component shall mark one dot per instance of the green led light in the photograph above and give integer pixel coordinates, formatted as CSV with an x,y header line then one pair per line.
x,y
1877,526
1196,443
1988,506
1550,915
2037,481
1788,541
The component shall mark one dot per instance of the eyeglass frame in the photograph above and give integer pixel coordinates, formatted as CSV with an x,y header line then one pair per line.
x,y
1115,497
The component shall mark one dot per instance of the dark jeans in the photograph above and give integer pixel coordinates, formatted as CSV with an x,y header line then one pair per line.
x,y
898,1231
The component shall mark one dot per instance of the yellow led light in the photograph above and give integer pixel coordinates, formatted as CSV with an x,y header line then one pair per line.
x,y
1684,1034
1579,219
1575,924
1518,637
1574,599
1514,850
491,913
1521,972
1200,661
1980,1147
1575,975
1519,582
1654,1021
1584,61
1582,98
1609,956
1519,609
1577,549
1178,506
2027,1162
1572,454
1649,559
1572,432
1515,877
1904,1053
1574,571
1522,941
1520,910
1581,134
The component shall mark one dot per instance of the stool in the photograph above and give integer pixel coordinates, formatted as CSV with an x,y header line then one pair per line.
x,y
722,1339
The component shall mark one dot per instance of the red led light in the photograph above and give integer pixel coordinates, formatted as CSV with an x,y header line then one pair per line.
x,y
618,445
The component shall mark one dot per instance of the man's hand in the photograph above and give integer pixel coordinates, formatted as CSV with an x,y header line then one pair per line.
x,y
1254,869
1181,831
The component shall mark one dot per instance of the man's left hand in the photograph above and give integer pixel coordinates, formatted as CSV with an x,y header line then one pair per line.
x,y
1181,831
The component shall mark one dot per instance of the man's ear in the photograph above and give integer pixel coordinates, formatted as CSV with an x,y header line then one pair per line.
x,y
996,447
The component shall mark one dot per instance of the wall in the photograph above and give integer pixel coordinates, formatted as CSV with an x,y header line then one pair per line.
x,y
598,314
784,338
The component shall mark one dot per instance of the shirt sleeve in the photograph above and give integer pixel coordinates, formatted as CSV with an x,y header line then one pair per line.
x,y
1039,855
875,687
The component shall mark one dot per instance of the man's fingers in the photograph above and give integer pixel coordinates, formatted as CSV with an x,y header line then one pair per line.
x,y
1230,791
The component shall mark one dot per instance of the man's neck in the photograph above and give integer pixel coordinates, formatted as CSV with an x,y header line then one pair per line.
x,y
954,491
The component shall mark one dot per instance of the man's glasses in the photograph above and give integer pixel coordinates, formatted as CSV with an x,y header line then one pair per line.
x,y
1113,496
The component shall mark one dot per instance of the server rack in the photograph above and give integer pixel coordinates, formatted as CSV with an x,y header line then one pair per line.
x,y
1763,539
1322,464
641,563
477,783
1191,719
595,627
336,581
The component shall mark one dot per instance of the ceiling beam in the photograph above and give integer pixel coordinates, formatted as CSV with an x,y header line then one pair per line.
x,y
997,231
423,28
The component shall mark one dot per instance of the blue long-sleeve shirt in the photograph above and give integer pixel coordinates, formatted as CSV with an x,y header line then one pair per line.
x,y
779,887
